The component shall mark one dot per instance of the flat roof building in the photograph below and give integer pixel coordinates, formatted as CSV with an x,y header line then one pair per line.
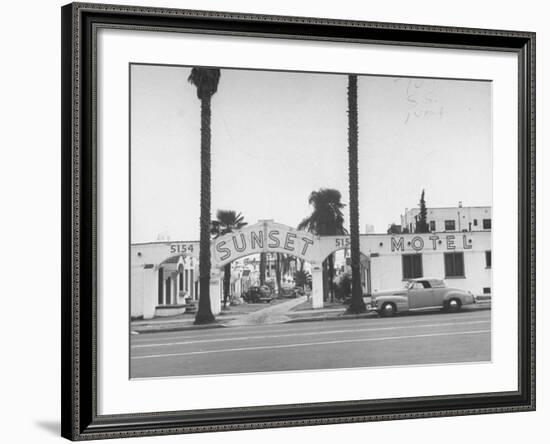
x,y
460,218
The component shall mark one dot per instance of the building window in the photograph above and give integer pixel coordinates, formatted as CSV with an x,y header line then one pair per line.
x,y
412,266
450,225
475,222
454,265
486,290
180,277
192,284
486,224
186,280
432,225
488,259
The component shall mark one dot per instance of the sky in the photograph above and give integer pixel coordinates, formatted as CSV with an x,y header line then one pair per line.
x,y
278,136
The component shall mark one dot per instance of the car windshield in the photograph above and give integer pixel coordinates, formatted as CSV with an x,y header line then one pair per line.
x,y
408,284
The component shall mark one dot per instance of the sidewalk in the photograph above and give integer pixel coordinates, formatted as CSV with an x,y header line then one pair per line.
x,y
169,325
236,315
335,314
275,314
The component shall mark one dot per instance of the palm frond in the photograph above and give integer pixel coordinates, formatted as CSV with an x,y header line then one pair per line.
x,y
226,222
206,80
327,217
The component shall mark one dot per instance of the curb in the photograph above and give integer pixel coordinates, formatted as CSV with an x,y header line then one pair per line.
x,y
341,317
477,306
372,314
175,329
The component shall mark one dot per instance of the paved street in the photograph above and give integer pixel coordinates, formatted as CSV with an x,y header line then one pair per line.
x,y
408,339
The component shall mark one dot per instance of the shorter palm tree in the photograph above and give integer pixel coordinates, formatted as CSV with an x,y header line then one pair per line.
x,y
326,219
226,222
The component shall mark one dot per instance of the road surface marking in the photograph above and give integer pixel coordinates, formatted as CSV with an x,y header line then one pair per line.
x,y
142,339
308,344
312,333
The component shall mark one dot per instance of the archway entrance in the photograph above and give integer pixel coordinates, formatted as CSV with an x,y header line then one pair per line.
x,y
337,284
262,277
274,243
271,238
165,274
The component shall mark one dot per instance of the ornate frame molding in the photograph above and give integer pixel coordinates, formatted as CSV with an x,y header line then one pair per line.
x,y
79,396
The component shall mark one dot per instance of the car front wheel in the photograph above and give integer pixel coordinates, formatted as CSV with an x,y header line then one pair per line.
x,y
453,305
388,309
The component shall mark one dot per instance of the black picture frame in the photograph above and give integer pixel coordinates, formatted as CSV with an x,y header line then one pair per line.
x,y
79,385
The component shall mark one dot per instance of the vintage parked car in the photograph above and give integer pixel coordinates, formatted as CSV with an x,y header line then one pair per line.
x,y
419,294
258,294
288,292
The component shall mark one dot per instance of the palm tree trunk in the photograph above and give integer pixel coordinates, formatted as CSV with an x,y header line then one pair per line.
x,y
262,268
278,272
204,312
357,304
226,283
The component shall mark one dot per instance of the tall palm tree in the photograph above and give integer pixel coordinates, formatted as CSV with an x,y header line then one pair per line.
x,y
226,222
326,219
206,80
357,304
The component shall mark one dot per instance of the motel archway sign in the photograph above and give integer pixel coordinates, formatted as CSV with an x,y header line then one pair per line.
x,y
273,237
268,236
262,237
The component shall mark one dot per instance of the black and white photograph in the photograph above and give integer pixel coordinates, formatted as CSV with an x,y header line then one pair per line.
x,y
275,222
301,221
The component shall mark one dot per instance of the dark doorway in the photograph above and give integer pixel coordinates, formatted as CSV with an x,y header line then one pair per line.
x,y
168,291
161,283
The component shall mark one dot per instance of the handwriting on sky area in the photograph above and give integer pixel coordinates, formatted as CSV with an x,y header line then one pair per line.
x,y
421,102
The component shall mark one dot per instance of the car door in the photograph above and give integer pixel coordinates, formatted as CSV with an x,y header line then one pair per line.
x,y
439,296
421,295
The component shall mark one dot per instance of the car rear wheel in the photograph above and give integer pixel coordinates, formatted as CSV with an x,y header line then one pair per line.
x,y
388,309
453,305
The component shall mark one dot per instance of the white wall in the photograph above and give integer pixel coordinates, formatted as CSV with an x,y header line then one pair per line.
x,y
29,180
439,215
386,263
137,290
387,271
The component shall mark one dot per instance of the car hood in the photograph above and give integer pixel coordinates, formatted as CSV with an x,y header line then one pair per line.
x,y
395,291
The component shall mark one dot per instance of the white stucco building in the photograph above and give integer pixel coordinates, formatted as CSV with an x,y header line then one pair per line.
x,y
164,274
457,218
161,287
463,259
